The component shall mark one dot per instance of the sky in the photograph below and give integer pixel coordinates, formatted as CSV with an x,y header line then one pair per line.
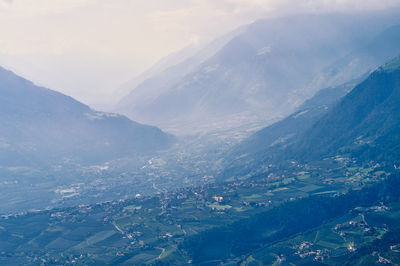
x,y
88,48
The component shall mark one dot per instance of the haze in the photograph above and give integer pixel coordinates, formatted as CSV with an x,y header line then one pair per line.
x,y
91,47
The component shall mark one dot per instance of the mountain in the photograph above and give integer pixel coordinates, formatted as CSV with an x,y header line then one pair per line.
x,y
263,73
142,90
296,123
366,123
252,151
153,72
376,52
41,126
289,130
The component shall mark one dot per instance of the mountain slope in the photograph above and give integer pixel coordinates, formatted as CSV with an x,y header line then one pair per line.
x,y
145,88
270,141
378,51
366,123
41,126
261,74
295,124
247,156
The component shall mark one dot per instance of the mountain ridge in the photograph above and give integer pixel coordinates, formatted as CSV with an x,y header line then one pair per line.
x,y
263,73
47,124
366,123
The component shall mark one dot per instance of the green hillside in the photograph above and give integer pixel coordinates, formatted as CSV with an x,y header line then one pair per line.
x,y
365,124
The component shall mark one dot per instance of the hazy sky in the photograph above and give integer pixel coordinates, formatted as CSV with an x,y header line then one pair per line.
x,y
87,48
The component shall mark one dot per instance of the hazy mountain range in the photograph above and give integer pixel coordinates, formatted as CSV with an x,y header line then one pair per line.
x,y
264,72
167,71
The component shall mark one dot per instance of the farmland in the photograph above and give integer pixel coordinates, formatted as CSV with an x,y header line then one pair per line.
x,y
156,228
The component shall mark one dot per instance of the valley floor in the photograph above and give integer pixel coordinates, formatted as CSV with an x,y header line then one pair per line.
x,y
257,220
